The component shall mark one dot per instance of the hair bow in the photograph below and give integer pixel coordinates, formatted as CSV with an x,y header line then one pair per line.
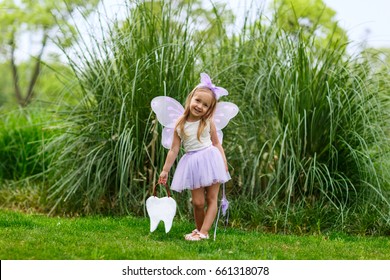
x,y
206,81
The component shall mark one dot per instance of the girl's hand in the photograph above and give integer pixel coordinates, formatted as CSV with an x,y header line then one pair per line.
x,y
163,178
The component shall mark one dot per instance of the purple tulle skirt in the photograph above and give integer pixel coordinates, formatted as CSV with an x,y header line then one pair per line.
x,y
200,169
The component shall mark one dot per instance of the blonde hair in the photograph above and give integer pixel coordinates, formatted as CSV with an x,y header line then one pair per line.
x,y
203,121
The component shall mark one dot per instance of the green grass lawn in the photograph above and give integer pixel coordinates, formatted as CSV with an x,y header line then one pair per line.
x,y
32,236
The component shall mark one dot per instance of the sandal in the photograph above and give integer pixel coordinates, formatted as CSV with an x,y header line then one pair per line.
x,y
197,237
194,232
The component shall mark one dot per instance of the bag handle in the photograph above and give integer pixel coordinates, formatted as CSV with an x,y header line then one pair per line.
x,y
166,187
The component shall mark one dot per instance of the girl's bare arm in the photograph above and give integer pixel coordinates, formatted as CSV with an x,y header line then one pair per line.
x,y
171,157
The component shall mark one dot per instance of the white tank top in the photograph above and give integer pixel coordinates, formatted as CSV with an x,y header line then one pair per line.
x,y
190,140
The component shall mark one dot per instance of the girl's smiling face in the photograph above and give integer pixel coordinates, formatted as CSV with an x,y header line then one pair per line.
x,y
200,103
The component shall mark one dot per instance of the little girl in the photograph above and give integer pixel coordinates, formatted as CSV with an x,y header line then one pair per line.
x,y
204,167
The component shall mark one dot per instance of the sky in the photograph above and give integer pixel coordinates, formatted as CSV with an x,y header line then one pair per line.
x,y
364,19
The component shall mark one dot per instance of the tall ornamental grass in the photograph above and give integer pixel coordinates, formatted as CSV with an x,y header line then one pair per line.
x,y
307,151
311,147
108,158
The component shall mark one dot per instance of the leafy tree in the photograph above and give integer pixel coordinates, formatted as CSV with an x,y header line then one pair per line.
x,y
312,16
54,85
43,19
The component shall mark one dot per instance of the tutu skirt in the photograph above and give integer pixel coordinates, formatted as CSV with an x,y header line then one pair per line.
x,y
200,169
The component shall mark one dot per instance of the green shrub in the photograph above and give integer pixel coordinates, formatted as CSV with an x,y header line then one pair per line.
x,y
22,137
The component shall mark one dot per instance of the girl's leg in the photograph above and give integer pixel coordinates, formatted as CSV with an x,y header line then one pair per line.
x,y
212,208
198,202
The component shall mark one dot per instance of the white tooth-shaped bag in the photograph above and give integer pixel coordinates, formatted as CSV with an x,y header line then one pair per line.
x,y
161,209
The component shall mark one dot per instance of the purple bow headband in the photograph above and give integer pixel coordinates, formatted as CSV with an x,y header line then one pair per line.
x,y
206,82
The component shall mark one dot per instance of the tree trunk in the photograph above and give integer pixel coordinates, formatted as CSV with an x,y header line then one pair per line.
x,y
25,100
15,74
35,75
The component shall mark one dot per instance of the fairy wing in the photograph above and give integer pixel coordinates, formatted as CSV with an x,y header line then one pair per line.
x,y
224,112
167,137
167,110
